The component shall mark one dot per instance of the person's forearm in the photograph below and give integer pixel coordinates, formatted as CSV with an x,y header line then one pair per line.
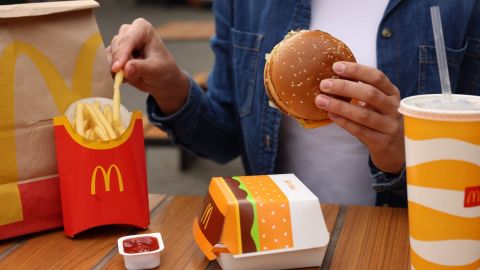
x,y
199,126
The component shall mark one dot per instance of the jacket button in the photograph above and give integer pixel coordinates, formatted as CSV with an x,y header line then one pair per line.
x,y
387,32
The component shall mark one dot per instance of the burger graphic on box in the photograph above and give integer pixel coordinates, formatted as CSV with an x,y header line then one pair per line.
x,y
266,221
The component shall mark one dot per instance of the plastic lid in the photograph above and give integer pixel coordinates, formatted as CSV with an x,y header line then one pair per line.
x,y
409,107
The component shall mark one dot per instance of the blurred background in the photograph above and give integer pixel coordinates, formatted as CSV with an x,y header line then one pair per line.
x,y
186,27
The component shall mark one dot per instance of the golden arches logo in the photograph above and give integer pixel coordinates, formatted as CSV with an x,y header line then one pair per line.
x,y
206,215
106,178
472,196
81,87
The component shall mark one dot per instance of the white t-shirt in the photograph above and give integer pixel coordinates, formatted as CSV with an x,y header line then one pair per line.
x,y
329,160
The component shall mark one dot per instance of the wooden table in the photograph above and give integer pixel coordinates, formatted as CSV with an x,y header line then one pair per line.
x,y
361,238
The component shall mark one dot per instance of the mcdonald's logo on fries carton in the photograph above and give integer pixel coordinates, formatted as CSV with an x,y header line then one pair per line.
x,y
106,178
102,182
268,220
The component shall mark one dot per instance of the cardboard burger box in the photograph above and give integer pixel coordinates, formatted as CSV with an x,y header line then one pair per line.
x,y
261,222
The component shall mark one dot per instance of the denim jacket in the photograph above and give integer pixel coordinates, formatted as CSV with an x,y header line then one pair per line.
x,y
233,117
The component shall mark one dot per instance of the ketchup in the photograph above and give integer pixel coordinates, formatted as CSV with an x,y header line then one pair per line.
x,y
140,244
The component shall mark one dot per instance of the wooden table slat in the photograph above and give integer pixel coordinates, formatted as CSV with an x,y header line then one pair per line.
x,y
174,221
54,250
373,238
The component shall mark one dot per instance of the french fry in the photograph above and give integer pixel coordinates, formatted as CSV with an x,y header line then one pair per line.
x,y
100,133
79,119
85,113
97,122
104,121
88,133
85,124
116,98
92,137
119,129
107,112
110,118
107,108
96,104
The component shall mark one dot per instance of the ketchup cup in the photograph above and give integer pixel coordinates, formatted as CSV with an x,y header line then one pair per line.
x,y
141,251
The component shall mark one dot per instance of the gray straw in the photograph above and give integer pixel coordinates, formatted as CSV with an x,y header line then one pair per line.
x,y
441,54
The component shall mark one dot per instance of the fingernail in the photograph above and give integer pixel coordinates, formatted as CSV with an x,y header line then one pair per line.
x,y
116,65
321,101
338,67
326,85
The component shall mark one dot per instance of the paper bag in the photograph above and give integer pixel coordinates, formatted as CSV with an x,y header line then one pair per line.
x,y
51,54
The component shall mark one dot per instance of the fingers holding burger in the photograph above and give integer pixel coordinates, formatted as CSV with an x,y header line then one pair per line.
x,y
294,69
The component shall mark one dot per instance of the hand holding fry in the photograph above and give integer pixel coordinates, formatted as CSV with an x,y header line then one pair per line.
x,y
148,65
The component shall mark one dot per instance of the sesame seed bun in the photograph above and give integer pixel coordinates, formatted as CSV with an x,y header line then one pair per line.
x,y
294,69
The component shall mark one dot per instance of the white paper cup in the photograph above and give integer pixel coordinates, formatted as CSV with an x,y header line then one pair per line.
x,y
443,181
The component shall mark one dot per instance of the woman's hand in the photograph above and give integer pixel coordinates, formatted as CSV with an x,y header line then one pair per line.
x,y
375,120
147,64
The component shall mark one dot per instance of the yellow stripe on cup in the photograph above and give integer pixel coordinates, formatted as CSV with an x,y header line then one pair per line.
x,y
421,129
444,174
429,224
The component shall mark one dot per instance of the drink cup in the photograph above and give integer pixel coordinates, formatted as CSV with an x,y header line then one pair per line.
x,y
442,144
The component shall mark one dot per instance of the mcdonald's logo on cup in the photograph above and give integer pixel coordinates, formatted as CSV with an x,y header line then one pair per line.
x,y
472,196
106,174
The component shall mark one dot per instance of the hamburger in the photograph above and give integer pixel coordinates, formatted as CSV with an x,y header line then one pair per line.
x,y
294,69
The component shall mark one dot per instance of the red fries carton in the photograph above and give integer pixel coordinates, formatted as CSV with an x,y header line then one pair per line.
x,y
261,222
102,182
